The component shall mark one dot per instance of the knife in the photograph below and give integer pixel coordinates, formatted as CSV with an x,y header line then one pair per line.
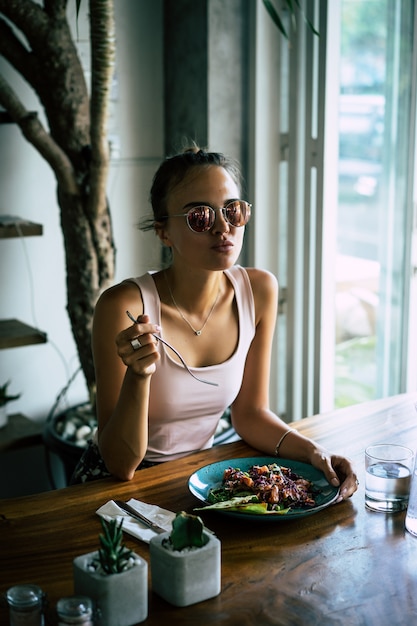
x,y
141,518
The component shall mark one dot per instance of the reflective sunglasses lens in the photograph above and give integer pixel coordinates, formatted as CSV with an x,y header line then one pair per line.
x,y
200,219
237,212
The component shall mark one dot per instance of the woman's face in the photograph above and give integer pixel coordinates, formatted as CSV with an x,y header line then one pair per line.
x,y
217,248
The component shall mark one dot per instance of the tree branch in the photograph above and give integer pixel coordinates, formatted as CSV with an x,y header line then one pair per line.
x,y
28,16
102,61
56,9
35,133
12,49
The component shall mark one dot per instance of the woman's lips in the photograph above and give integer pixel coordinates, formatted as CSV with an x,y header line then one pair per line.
x,y
223,246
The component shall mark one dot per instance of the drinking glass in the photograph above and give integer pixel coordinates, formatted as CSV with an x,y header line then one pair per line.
x,y
388,477
411,516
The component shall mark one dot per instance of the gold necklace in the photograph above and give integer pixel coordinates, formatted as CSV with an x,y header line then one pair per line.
x,y
195,331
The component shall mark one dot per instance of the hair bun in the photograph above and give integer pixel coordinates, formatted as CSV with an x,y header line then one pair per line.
x,y
192,149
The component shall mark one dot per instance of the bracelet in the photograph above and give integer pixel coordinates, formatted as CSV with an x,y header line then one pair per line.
x,y
287,432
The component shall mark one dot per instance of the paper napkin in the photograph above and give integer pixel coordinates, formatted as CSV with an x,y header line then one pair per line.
x,y
162,517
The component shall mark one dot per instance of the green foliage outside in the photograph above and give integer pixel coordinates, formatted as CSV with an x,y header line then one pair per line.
x,y
355,375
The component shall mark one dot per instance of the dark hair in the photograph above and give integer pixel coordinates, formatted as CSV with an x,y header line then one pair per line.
x,y
174,169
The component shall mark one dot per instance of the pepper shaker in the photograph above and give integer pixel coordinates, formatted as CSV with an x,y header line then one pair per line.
x,y
75,610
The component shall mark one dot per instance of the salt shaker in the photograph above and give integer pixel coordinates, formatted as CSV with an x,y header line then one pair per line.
x,y
75,610
25,605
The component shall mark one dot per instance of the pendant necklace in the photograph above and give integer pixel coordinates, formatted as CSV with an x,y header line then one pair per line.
x,y
195,331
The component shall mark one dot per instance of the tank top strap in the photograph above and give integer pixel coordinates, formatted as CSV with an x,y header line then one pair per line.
x,y
150,296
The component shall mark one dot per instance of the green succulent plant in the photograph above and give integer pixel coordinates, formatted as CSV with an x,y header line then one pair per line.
x,y
4,398
187,531
114,556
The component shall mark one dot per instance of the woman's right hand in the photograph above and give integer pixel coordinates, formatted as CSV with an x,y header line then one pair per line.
x,y
137,347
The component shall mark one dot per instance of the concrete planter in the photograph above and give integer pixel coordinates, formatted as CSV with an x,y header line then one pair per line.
x,y
187,576
121,599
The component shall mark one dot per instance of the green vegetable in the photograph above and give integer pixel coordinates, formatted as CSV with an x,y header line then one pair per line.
x,y
223,495
244,504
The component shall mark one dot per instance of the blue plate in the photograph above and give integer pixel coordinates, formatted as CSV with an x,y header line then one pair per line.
x,y
211,476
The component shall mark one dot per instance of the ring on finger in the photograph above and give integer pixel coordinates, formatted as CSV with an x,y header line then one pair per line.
x,y
136,344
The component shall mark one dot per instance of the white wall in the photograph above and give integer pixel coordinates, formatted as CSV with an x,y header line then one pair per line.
x,y
32,270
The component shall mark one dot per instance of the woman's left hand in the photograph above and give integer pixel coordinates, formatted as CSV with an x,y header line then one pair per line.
x,y
338,471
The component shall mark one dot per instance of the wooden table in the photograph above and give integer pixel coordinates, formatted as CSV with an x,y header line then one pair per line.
x,y
344,565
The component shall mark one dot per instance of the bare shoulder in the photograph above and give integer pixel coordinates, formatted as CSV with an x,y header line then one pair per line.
x,y
265,294
264,283
119,298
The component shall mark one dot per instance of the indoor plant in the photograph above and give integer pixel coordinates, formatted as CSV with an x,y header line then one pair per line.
x,y
4,399
37,42
115,578
186,562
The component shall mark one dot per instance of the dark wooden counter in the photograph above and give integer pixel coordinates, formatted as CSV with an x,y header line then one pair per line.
x,y
344,565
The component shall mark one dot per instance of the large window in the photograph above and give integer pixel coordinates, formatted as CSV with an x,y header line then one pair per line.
x,y
375,198
340,129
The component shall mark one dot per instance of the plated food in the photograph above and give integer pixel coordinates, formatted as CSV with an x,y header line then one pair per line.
x,y
262,486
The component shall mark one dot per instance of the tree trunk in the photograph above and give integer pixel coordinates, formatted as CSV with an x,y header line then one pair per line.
x,y
89,270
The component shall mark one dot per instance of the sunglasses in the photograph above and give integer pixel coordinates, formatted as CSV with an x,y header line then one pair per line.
x,y
200,219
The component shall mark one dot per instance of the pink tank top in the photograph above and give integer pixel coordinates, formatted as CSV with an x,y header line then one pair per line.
x,y
183,412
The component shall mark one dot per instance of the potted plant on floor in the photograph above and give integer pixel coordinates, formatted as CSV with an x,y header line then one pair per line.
x,y
186,562
115,578
4,400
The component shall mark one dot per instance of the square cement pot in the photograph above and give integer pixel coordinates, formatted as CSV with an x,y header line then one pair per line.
x,y
187,576
121,599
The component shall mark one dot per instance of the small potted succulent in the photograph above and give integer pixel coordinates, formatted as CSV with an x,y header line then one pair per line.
x,y
4,400
186,562
115,578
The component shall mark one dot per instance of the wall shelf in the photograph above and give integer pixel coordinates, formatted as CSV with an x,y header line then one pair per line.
x,y
13,226
20,432
14,334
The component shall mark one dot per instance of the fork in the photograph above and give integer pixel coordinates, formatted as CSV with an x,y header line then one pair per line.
x,y
168,345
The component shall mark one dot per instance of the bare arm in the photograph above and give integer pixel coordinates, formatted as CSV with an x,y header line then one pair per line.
x,y
251,415
252,418
123,379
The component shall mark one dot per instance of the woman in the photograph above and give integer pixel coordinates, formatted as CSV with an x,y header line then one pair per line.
x,y
217,315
